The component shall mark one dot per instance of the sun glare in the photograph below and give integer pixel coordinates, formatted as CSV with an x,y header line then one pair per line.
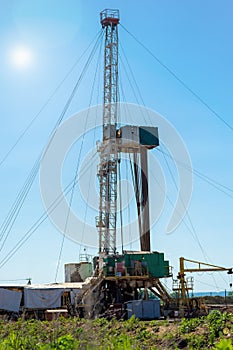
x,y
21,57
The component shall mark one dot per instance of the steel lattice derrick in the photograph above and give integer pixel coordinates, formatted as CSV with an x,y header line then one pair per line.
x,y
107,172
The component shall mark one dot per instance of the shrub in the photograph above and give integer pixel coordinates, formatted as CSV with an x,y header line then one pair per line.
x,y
187,326
224,344
217,321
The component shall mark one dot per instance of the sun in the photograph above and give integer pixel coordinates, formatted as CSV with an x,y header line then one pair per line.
x,y
21,57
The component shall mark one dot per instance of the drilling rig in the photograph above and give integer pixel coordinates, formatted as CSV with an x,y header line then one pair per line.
x,y
120,276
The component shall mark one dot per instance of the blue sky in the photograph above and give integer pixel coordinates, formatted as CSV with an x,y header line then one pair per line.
x,y
193,39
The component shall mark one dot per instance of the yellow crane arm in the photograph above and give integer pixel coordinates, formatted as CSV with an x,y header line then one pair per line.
x,y
206,268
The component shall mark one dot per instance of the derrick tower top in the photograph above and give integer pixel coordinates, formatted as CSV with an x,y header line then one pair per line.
x,y
109,17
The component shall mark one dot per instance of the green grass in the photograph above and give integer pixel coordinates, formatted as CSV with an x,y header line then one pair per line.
x,y
212,332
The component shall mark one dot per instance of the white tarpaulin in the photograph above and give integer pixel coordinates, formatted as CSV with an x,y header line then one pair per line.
x,y
48,296
10,300
42,298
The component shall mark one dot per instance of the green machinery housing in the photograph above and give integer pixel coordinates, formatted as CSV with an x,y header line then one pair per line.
x,y
150,264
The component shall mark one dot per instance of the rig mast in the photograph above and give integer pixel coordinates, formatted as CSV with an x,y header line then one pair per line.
x,y
107,171
120,275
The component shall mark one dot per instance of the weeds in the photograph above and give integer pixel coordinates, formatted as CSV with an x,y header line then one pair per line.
x,y
189,325
211,332
217,322
224,344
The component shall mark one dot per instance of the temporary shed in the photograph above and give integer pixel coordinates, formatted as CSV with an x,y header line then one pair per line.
x,y
49,296
10,300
